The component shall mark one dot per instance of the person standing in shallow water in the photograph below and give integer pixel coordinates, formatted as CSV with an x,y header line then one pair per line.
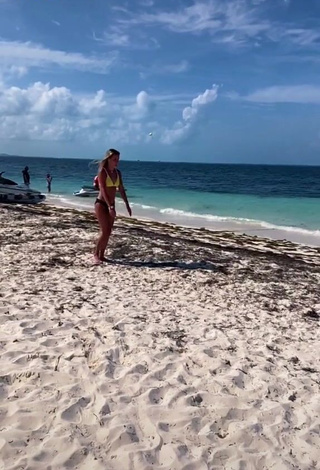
x,y
49,180
26,176
110,180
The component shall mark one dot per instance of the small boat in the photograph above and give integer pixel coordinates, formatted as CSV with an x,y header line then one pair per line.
x,y
12,192
87,191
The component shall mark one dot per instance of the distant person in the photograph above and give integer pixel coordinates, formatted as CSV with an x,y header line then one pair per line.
x,y
49,180
110,180
26,176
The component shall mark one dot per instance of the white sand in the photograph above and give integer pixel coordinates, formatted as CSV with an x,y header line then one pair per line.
x,y
190,351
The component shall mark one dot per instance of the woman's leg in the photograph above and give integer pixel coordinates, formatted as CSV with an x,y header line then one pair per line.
x,y
105,223
103,245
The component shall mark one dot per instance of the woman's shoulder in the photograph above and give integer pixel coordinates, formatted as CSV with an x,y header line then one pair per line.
x,y
102,173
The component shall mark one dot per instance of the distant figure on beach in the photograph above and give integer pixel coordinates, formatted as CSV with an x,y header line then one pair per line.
x,y
110,180
49,180
26,176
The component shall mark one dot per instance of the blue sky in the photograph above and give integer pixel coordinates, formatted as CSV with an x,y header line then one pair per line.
x,y
213,80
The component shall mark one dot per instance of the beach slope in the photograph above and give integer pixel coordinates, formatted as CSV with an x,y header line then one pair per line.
x,y
188,350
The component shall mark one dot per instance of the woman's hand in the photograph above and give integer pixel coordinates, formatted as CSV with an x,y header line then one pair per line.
x,y
112,212
129,210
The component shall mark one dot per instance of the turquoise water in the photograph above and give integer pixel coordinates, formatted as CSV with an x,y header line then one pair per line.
x,y
249,197
296,212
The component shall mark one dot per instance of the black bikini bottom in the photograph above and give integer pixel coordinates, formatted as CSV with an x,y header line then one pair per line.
x,y
103,203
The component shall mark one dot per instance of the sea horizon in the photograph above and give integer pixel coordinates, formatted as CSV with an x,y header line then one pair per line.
x,y
188,162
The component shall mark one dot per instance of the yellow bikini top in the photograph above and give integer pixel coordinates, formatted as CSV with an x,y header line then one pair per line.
x,y
110,183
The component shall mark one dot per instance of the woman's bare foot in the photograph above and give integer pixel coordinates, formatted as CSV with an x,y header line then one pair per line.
x,y
97,260
104,259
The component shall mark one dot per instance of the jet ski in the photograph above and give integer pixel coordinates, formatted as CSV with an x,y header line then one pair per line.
x,y
87,191
12,192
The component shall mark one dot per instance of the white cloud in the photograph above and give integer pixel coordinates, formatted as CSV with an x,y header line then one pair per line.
x,y
141,109
11,72
218,18
143,100
207,97
232,22
47,113
119,37
57,23
39,99
302,94
194,18
16,71
42,112
178,132
28,54
189,116
301,36
294,36
113,38
96,105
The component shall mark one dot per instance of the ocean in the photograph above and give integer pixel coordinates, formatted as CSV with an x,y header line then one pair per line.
x,y
281,202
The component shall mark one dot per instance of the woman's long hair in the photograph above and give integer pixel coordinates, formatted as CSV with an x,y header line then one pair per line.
x,y
109,153
101,163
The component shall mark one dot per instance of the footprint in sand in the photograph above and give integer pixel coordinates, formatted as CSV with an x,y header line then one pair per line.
x,y
164,427
76,458
72,414
139,369
182,451
105,410
127,436
49,342
156,396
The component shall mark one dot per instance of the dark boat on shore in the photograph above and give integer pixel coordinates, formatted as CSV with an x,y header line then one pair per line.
x,y
12,192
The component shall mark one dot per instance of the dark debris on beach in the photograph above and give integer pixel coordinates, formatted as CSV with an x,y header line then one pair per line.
x,y
139,243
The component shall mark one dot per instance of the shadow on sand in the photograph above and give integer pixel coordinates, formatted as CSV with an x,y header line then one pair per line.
x,y
170,264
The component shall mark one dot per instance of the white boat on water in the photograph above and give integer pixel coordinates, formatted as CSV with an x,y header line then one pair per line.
x,y
87,191
11,192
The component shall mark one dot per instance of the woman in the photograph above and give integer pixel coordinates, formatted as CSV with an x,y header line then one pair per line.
x,y
110,181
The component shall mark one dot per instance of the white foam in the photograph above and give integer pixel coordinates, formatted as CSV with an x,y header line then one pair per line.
x,y
209,221
238,220
214,218
143,206
65,201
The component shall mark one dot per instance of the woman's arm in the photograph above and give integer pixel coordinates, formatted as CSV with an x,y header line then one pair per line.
x,y
124,195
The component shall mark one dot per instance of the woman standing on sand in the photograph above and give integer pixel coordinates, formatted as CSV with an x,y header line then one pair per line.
x,y
110,180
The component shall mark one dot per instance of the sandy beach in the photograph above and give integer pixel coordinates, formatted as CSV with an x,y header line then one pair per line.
x,y
188,350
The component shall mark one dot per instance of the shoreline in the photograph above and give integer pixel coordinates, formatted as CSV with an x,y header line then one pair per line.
x,y
291,234
188,350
